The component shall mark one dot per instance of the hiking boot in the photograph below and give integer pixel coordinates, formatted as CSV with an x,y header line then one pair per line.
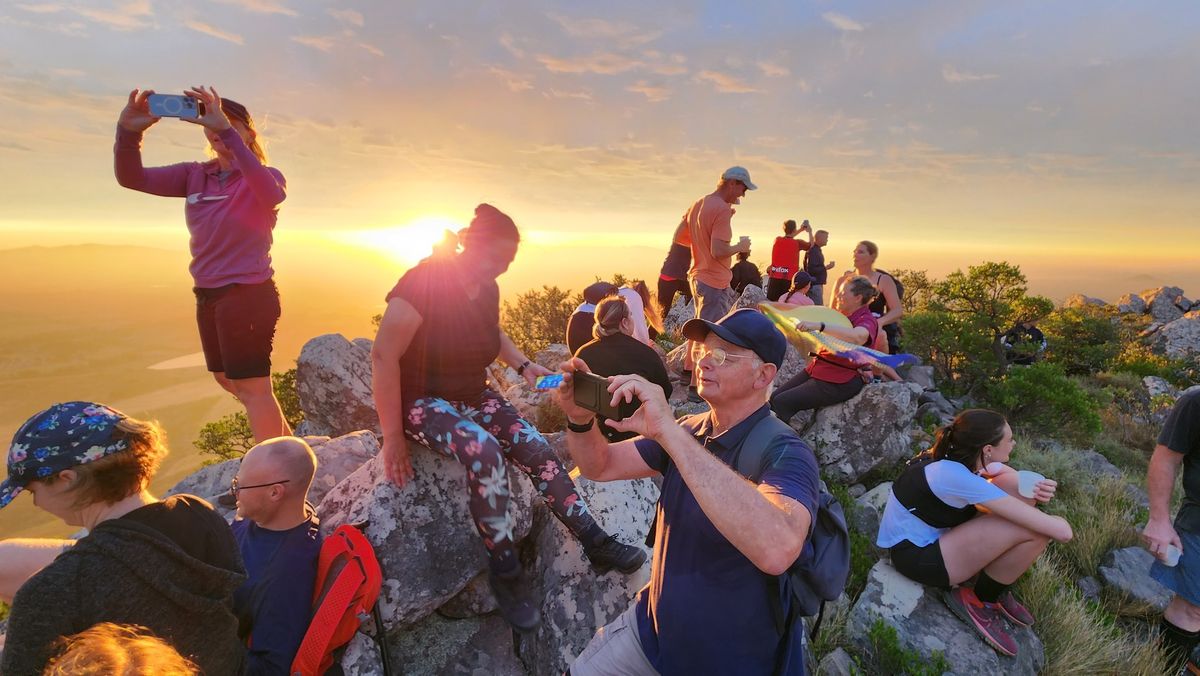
x,y
694,396
512,595
986,618
612,553
1014,611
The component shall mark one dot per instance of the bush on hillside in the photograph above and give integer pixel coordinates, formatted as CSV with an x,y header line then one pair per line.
x,y
1042,399
539,318
918,289
1082,340
230,437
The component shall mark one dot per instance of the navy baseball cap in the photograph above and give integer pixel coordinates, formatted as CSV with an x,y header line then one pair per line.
x,y
60,437
745,328
801,278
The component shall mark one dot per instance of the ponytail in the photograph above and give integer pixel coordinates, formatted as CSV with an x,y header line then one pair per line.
x,y
609,312
963,440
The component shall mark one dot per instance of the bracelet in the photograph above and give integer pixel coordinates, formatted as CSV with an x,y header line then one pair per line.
x,y
822,327
581,428
522,367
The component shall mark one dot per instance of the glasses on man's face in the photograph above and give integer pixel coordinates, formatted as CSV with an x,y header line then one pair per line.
x,y
719,355
234,487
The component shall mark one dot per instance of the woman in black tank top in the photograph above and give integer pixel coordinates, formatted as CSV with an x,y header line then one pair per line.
x,y
887,305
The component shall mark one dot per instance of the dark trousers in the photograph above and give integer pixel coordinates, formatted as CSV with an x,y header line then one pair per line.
x,y
667,288
777,287
804,393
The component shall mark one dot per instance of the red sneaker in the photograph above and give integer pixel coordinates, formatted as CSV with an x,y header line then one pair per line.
x,y
984,617
1014,611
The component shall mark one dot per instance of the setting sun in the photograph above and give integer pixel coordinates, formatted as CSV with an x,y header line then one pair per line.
x,y
408,243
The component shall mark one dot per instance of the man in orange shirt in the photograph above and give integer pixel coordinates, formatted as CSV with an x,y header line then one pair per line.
x,y
709,222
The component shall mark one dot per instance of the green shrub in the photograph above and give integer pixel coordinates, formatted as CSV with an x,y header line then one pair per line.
x,y
230,437
889,657
862,552
1042,399
1082,340
539,318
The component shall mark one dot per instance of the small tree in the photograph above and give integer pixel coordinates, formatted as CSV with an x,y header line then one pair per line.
x,y
539,318
918,289
1083,340
230,436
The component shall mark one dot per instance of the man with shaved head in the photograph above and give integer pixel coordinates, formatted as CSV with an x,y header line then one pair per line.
x,y
278,534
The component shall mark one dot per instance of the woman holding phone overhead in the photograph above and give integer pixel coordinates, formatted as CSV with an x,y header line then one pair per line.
x,y
230,208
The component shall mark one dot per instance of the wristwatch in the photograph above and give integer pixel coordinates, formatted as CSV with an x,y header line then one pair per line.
x,y
522,367
581,428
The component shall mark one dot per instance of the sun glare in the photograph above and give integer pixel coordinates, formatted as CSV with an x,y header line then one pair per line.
x,y
408,243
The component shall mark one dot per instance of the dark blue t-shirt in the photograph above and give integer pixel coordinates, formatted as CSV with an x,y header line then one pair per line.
x,y
274,605
706,608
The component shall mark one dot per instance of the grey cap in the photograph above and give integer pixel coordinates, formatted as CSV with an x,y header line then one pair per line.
x,y
739,174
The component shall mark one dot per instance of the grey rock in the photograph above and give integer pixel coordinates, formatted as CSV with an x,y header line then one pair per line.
x,y
575,600
751,297
1095,464
333,379
1180,338
837,435
1128,571
209,482
426,542
922,375
475,599
364,343
337,459
924,624
552,356
1080,300
441,646
865,519
938,399
690,408
856,490
1184,304
678,315
1131,303
526,400
1156,386
675,361
837,663
1089,587
1160,303
876,498
501,377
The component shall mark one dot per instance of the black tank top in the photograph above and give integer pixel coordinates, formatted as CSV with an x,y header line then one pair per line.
x,y
912,491
879,305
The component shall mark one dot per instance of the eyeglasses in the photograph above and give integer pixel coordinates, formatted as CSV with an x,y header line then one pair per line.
x,y
234,487
719,355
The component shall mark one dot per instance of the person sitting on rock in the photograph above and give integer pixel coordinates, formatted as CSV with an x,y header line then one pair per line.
x,y
745,274
615,351
169,565
720,540
1178,445
440,332
798,294
945,524
648,318
278,534
829,379
1024,343
887,305
579,325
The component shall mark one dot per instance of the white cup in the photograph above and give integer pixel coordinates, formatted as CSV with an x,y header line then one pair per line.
x,y
1172,558
1027,481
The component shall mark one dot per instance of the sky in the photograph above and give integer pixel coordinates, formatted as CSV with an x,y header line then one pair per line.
x,y
1058,136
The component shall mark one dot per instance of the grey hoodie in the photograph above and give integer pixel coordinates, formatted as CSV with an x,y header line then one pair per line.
x,y
171,566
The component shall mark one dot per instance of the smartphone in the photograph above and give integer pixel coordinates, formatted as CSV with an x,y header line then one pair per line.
x,y
548,382
591,393
175,105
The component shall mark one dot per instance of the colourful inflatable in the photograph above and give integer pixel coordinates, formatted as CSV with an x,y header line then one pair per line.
x,y
816,341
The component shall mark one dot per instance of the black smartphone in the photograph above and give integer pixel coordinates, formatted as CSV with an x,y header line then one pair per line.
x,y
174,105
591,393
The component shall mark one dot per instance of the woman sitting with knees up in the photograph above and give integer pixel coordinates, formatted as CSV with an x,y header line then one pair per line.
x,y
830,379
616,352
170,565
945,523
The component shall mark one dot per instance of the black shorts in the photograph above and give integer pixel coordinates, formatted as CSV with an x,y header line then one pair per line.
x,y
237,327
922,564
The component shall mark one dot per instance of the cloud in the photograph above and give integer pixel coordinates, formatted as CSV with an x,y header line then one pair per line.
x,y
44,8
213,31
125,16
516,82
725,83
510,44
620,32
67,72
674,65
12,145
323,43
602,63
261,6
952,74
371,48
842,22
582,94
771,69
347,16
653,93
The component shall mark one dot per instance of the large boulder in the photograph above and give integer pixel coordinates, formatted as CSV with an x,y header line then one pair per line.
x,y
333,379
552,356
423,534
575,600
438,645
856,436
1131,303
1161,303
210,482
681,311
924,624
1158,387
1128,571
1078,300
751,297
1180,338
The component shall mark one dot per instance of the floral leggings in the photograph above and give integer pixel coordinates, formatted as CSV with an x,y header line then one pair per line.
x,y
481,435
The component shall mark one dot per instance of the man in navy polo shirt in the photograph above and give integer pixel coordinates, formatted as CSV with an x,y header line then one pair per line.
x,y
720,539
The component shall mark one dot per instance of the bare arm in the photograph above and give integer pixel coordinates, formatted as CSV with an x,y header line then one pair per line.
x,y
400,323
854,334
722,247
1160,483
887,286
679,230
1013,509
23,558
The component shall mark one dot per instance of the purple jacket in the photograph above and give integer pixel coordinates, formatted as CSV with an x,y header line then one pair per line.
x,y
230,220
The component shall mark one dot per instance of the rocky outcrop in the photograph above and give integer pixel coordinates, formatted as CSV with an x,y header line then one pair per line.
x,y
678,315
423,533
333,378
1078,300
924,624
1180,338
870,430
1161,303
1128,571
1159,387
478,646
1131,303
576,601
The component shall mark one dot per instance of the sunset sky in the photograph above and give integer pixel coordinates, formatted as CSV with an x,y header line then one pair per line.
x,y
1060,136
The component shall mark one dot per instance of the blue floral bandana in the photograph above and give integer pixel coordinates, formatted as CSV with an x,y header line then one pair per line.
x,y
60,437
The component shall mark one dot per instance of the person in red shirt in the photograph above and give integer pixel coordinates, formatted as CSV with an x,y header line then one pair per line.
x,y
785,258
830,379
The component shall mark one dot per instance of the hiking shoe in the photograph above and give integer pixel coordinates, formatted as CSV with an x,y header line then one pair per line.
x,y
1014,611
984,617
612,553
515,603
694,396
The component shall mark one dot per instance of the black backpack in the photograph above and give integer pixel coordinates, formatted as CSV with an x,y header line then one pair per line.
x,y
813,579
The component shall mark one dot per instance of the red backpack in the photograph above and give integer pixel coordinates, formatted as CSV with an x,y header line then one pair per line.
x,y
345,593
